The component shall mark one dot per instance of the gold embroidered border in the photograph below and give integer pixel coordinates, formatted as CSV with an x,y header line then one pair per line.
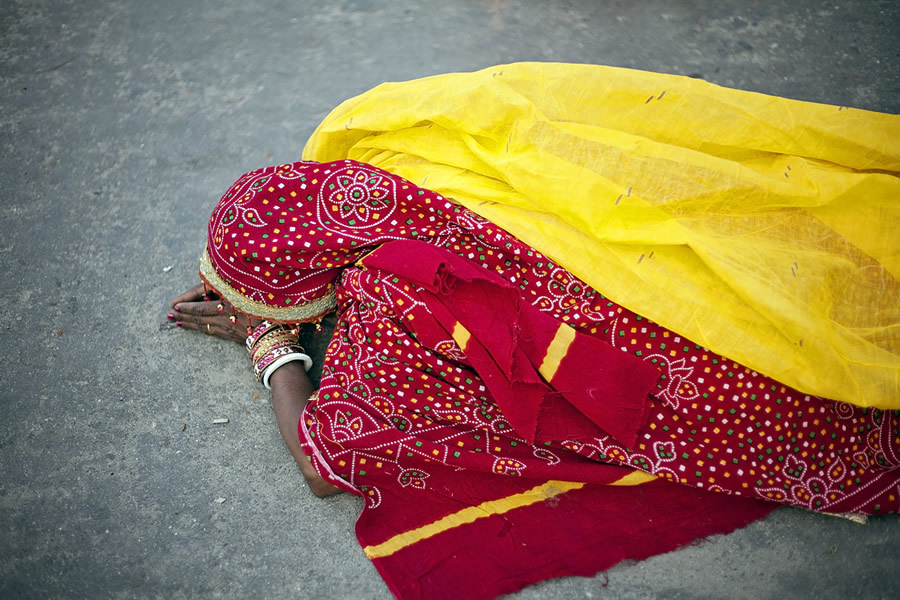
x,y
310,311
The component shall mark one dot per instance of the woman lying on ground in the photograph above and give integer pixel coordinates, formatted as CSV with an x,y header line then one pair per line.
x,y
504,420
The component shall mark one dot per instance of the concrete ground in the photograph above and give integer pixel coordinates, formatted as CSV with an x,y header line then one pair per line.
x,y
121,123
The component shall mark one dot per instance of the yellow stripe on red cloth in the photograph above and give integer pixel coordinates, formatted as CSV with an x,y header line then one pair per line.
x,y
461,336
556,351
500,506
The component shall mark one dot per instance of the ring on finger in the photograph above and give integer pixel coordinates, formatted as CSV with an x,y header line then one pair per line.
x,y
208,331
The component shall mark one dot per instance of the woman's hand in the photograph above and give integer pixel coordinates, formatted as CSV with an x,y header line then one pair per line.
x,y
208,314
291,386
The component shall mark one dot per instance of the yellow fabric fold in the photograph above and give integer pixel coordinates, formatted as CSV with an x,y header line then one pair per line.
x,y
764,228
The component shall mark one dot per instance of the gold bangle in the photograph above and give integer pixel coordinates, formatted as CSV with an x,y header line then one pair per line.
x,y
273,338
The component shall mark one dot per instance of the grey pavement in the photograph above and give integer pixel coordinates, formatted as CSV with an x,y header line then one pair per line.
x,y
121,123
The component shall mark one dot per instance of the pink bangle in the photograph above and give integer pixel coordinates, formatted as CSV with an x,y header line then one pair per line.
x,y
269,344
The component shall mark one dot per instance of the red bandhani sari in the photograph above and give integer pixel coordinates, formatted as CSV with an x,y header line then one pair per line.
x,y
505,422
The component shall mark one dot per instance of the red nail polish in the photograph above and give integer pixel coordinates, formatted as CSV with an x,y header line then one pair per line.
x,y
170,316
176,308
178,324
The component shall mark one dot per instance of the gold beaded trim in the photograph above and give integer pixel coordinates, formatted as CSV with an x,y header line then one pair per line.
x,y
300,313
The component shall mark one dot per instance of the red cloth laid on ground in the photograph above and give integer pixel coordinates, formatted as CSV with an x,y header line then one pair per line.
x,y
441,553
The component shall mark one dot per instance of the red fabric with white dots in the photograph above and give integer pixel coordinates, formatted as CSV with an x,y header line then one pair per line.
x,y
403,406
406,421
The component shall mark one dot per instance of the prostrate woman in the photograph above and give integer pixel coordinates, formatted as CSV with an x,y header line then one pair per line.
x,y
505,421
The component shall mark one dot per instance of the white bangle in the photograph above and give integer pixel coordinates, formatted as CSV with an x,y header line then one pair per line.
x,y
307,363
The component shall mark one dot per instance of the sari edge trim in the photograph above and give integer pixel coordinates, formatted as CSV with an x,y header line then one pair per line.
x,y
309,311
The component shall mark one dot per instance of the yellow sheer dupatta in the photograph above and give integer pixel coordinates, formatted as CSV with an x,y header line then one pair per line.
x,y
763,228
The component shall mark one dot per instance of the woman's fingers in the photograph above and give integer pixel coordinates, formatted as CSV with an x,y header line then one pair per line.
x,y
193,294
213,317
194,310
218,325
187,315
201,309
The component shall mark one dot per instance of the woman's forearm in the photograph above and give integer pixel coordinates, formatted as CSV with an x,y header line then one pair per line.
x,y
291,389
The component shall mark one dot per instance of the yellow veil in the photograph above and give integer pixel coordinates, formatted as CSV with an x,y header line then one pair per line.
x,y
764,228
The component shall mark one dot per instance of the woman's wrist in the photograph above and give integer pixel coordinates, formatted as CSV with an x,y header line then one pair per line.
x,y
292,372
271,347
283,361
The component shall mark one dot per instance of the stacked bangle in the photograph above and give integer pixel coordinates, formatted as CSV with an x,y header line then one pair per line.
x,y
272,346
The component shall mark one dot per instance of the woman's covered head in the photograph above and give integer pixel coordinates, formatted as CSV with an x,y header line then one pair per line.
x,y
279,236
